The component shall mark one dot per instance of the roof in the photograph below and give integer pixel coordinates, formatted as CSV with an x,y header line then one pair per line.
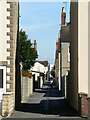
x,y
45,63
65,33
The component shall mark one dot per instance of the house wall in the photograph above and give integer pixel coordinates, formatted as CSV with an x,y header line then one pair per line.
x,y
80,57
65,63
89,49
38,67
83,47
46,69
3,32
9,13
83,57
89,58
56,71
73,81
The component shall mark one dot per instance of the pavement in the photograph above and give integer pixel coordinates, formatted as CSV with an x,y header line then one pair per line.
x,y
46,103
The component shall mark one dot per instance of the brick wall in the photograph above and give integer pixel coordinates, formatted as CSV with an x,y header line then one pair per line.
x,y
88,106
83,104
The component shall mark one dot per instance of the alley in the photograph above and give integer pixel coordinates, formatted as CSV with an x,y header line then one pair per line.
x,y
45,103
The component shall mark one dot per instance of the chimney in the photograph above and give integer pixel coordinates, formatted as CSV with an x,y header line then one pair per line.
x,y
63,16
57,45
35,45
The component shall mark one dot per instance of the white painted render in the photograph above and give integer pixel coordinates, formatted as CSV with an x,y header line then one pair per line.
x,y
38,67
45,69
4,30
83,47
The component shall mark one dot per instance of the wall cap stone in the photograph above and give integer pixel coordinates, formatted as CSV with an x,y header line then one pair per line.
x,y
8,93
82,94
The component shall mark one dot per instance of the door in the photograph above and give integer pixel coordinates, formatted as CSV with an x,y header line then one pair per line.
x,y
2,84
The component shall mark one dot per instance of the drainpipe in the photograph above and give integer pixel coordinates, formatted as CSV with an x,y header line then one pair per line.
x,y
59,73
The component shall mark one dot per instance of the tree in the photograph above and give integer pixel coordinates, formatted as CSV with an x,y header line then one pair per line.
x,y
27,54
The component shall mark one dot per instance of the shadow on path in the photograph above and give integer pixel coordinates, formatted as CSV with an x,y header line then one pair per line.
x,y
52,103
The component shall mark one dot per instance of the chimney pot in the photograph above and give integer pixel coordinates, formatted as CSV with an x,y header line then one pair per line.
x,y
35,45
63,9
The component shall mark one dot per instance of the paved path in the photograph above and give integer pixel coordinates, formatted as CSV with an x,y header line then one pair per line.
x,y
46,103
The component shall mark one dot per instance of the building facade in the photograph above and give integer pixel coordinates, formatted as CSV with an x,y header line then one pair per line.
x,y
62,61
9,22
79,94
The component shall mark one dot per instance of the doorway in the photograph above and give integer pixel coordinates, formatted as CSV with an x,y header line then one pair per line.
x,y
2,84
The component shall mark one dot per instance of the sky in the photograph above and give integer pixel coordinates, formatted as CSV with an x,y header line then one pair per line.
x,y
42,22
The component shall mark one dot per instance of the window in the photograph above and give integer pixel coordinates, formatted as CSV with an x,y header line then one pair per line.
x,y
1,78
69,53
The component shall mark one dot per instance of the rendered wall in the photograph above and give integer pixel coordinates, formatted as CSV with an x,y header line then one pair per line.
x,y
83,47
73,81
8,43
56,71
65,64
26,88
89,49
4,30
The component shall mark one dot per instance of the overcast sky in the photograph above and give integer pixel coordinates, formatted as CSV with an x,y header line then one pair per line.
x,y
41,21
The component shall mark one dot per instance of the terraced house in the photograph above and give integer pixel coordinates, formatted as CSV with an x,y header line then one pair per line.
x,y
9,24
62,64
79,94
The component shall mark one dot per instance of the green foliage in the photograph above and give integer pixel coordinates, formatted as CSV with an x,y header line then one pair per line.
x,y
27,54
25,71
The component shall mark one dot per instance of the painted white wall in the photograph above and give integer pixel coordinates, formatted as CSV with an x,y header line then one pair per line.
x,y
51,66
46,69
83,47
89,49
38,67
4,30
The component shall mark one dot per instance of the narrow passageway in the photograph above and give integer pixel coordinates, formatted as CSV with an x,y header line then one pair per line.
x,y
45,103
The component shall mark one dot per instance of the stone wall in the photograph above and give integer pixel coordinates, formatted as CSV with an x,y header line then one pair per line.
x,y
7,104
84,105
26,88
